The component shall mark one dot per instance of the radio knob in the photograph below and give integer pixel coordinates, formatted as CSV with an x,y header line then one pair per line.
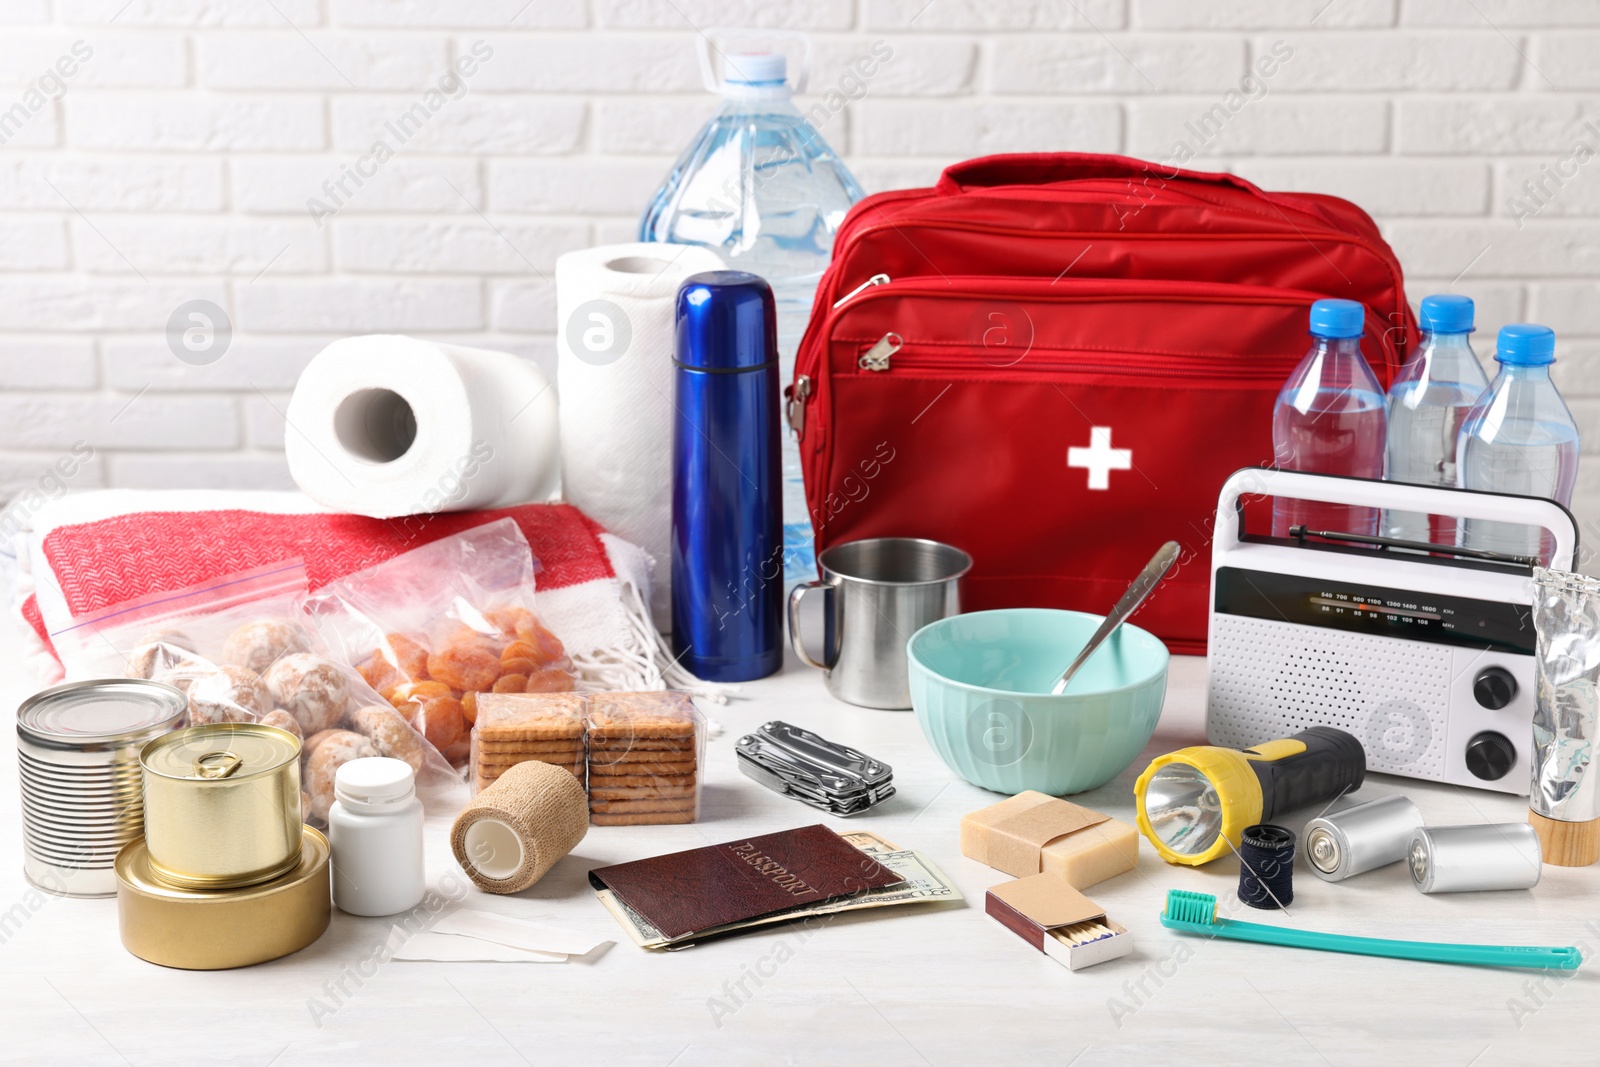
x,y
1490,756
1494,688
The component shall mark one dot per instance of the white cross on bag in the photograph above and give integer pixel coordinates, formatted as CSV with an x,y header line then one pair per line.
x,y
1100,459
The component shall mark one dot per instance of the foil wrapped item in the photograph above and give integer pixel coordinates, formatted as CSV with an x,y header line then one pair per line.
x,y
1566,617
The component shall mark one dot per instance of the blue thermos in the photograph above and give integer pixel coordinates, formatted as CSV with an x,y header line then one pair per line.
x,y
727,522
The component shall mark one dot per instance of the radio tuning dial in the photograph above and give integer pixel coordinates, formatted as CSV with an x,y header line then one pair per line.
x,y
1490,755
1494,688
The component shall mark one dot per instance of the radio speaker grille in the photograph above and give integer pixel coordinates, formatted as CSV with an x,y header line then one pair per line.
x,y
1270,679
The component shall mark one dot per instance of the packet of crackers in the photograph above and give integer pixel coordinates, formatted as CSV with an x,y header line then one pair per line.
x,y
515,728
242,649
436,629
645,751
638,754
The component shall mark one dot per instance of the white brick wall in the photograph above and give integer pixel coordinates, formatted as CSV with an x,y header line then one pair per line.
x,y
178,161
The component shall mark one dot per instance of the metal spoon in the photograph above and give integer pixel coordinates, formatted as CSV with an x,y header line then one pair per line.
x,y
1148,579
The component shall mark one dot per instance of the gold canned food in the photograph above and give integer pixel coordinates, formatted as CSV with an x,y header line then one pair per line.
x,y
212,929
222,805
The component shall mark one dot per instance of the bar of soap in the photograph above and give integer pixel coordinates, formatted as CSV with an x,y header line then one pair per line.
x,y
1093,854
1033,833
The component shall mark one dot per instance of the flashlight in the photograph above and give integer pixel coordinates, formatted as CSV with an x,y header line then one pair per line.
x,y
1195,802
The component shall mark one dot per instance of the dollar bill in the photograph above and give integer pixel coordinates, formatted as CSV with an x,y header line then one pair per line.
x,y
868,842
639,929
924,882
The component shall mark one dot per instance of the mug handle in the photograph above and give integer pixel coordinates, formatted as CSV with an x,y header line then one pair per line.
x,y
794,621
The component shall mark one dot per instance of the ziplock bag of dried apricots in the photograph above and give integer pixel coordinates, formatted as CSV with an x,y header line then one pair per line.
x,y
242,649
432,628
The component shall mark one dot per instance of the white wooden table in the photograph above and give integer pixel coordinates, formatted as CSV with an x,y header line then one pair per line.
x,y
938,986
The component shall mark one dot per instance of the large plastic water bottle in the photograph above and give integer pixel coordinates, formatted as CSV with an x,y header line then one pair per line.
x,y
1519,438
762,188
1428,402
1330,419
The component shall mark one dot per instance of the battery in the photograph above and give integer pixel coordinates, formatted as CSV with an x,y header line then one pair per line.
x,y
1465,859
1361,838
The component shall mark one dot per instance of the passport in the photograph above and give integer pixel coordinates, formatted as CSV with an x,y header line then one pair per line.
x,y
683,893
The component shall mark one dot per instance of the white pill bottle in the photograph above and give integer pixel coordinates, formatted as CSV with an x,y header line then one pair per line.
x,y
375,828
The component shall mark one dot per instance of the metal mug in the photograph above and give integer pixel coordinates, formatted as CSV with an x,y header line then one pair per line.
x,y
876,594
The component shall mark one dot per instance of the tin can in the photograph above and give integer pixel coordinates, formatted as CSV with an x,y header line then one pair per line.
x,y
78,766
1361,838
1465,859
214,929
222,805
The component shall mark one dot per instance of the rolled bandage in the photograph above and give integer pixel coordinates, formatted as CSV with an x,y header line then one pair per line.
x,y
510,834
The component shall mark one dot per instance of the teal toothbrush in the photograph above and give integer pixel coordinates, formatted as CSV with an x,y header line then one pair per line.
x,y
1196,913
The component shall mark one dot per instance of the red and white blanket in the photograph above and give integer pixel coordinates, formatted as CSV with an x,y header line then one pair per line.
x,y
86,552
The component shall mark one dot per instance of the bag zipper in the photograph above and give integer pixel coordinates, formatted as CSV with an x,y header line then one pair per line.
x,y
879,356
794,409
1330,236
876,279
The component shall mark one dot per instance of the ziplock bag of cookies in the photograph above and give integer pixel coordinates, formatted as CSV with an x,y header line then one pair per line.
x,y
645,752
243,650
434,628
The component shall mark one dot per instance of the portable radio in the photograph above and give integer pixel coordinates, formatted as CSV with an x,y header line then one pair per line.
x,y
1426,658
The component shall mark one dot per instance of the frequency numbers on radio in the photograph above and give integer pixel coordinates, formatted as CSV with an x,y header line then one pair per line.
x,y
1393,611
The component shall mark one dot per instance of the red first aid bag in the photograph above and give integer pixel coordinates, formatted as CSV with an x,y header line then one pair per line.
x,y
1054,362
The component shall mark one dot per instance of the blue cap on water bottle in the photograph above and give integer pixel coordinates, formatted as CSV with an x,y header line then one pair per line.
x,y
1446,313
1337,318
1523,344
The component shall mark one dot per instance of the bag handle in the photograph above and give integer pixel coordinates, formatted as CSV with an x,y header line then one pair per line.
x,y
1043,168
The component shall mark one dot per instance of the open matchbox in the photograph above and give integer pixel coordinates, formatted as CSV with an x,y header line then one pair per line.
x,y
1058,920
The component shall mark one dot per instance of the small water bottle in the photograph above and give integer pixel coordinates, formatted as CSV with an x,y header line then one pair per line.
x,y
1428,402
762,188
727,531
1519,438
375,832
1330,419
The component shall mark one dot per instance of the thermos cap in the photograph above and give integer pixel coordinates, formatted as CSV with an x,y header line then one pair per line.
x,y
727,321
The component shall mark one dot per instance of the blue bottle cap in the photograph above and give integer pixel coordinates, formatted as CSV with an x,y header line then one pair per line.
x,y
1523,344
1446,313
1337,318
727,321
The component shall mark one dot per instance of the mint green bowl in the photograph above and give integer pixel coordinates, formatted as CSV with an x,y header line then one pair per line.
x,y
980,684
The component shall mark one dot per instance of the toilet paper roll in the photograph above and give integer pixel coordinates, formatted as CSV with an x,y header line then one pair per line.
x,y
615,341
510,834
385,426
